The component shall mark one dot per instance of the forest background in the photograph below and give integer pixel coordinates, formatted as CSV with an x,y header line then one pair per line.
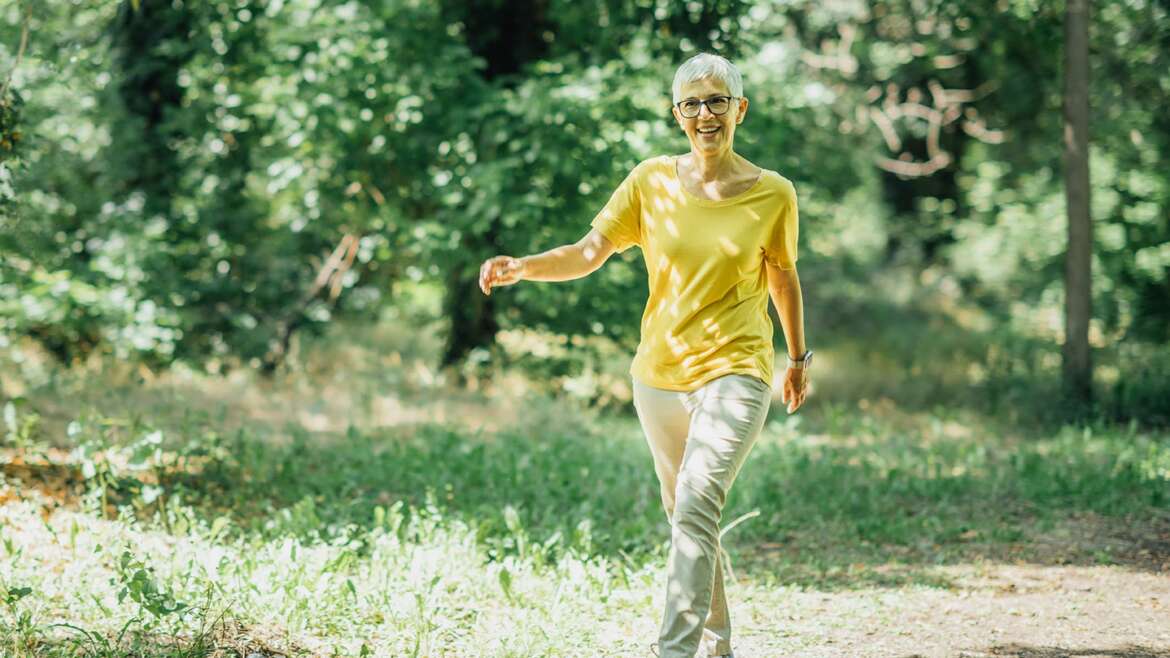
x,y
235,232
207,182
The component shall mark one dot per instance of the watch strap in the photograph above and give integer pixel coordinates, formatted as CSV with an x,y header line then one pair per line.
x,y
802,362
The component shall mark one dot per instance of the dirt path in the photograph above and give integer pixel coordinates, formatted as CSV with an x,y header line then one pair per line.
x,y
1021,611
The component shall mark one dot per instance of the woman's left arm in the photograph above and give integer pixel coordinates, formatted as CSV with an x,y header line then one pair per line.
x,y
784,289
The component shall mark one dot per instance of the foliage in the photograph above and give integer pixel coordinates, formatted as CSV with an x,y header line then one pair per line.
x,y
202,182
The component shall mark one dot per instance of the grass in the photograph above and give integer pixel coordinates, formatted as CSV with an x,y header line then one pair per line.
x,y
365,507
426,541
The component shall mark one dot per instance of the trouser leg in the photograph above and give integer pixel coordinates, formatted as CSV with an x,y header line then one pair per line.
x,y
727,417
717,626
666,421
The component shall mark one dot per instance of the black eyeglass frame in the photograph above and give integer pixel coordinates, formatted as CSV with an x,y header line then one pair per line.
x,y
708,104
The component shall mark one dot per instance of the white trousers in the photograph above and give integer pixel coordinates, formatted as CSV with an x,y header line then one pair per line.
x,y
699,440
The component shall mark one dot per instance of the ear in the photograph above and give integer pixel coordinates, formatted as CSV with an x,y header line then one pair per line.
x,y
743,108
678,118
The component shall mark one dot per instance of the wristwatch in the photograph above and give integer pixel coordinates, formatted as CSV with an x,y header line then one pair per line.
x,y
802,363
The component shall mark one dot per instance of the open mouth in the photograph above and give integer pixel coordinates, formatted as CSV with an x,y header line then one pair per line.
x,y
708,131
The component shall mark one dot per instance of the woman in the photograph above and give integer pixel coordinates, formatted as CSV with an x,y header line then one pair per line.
x,y
718,235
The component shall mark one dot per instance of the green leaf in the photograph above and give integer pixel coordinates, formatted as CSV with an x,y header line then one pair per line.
x,y
505,578
16,593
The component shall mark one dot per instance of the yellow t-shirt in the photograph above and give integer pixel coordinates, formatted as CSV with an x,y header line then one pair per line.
x,y
707,314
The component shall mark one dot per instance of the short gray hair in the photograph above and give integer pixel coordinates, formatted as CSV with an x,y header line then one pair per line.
x,y
707,65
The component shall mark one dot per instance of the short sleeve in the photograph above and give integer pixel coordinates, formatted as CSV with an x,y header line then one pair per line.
x,y
780,250
620,221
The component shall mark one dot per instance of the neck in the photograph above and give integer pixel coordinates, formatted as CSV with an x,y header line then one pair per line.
x,y
713,166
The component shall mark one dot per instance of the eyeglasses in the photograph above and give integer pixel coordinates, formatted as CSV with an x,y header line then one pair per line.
x,y
691,107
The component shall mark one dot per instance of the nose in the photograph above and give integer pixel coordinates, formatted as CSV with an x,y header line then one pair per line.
x,y
703,108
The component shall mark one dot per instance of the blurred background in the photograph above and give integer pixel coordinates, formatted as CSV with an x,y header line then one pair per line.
x,y
212,184
239,313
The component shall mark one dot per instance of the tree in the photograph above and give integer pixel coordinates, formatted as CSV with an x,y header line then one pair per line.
x,y
1078,374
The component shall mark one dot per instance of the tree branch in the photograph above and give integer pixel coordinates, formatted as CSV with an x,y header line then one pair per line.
x,y
19,52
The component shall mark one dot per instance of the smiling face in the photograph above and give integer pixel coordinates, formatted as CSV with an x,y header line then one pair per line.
x,y
708,133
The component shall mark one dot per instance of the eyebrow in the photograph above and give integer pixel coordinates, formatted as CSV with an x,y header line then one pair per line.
x,y
692,98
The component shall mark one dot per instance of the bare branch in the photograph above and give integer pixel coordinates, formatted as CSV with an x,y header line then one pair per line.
x,y
887,103
981,132
947,61
915,169
919,111
376,194
884,124
19,51
330,266
343,267
835,55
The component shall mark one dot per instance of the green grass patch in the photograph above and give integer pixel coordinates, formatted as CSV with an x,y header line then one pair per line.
x,y
429,539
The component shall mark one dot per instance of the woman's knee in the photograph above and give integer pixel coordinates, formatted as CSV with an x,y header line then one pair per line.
x,y
698,504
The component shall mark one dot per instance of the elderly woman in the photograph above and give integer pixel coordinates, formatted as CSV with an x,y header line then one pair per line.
x,y
718,235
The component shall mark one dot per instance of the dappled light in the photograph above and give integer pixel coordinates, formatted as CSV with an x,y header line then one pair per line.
x,y
475,329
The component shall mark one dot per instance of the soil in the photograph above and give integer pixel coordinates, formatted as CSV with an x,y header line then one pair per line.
x,y
1093,587
1021,611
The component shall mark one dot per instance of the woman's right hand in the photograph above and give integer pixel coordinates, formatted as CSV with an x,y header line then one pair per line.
x,y
500,271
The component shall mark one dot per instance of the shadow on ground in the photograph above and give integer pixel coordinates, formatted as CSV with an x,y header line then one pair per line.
x,y
1027,651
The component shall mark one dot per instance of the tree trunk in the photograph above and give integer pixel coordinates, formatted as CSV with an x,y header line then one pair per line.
x,y
1078,373
472,314
508,36
143,39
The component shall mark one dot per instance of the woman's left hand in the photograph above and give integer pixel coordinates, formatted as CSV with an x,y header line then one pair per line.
x,y
795,388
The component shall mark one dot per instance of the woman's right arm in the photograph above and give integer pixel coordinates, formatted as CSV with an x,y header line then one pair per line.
x,y
564,263
571,261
